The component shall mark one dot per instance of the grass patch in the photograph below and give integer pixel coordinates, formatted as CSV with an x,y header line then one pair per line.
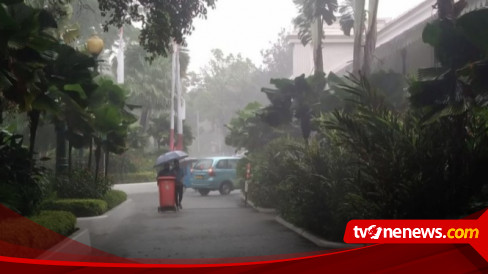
x,y
114,198
79,207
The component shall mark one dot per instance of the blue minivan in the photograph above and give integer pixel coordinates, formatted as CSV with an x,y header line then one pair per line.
x,y
214,173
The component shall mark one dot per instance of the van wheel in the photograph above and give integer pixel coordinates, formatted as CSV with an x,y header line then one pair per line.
x,y
225,188
204,192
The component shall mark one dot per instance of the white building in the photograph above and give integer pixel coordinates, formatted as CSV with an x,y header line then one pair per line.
x,y
399,45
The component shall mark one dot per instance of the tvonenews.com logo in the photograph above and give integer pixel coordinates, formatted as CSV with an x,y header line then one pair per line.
x,y
468,231
375,232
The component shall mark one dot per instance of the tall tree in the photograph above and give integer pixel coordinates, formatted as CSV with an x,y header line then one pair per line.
x,y
278,59
359,17
371,35
162,21
228,83
353,15
310,21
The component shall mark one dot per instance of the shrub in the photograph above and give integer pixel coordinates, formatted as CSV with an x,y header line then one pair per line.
x,y
61,222
23,183
82,184
22,232
79,207
268,169
114,198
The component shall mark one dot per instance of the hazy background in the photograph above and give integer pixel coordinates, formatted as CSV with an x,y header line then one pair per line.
x,y
250,26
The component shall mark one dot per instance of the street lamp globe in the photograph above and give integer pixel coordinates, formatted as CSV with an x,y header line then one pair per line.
x,y
94,45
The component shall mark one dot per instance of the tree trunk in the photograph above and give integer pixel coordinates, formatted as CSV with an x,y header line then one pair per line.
x,y
371,36
107,155
70,157
446,9
98,154
34,117
144,118
61,161
90,154
358,35
317,36
80,157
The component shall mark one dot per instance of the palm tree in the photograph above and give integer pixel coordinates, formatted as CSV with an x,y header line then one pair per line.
x,y
353,15
310,21
150,82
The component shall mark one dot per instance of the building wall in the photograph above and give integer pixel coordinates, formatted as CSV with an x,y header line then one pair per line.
x,y
399,45
337,49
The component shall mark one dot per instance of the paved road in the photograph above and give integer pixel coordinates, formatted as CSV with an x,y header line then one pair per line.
x,y
208,227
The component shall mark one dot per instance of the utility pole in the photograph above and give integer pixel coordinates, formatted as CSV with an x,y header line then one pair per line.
x,y
179,126
198,132
173,86
121,58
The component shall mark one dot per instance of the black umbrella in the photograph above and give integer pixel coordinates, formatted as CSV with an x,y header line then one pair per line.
x,y
170,156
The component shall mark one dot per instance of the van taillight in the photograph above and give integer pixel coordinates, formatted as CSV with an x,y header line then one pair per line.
x,y
191,170
211,172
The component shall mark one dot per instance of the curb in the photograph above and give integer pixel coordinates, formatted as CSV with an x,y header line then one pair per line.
x,y
259,209
302,232
107,222
315,239
69,244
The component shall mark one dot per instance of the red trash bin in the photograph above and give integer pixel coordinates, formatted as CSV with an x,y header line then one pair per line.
x,y
166,186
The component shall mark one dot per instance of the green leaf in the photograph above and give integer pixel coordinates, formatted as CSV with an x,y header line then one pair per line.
x,y
77,89
6,21
432,34
474,25
107,118
45,103
11,2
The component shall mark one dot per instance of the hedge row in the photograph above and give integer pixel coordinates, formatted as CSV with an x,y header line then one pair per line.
x,y
114,198
79,207
62,222
30,237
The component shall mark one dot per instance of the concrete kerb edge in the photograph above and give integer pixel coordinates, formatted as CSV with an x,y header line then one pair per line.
x,y
106,222
81,236
259,209
302,232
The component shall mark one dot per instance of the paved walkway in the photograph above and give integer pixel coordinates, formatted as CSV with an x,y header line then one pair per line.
x,y
214,226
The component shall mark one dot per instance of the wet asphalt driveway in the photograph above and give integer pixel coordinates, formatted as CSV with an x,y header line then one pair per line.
x,y
214,226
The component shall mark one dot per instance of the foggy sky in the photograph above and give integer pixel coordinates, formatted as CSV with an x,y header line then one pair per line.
x,y
248,26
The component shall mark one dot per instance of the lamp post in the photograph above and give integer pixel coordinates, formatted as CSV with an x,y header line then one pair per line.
x,y
95,45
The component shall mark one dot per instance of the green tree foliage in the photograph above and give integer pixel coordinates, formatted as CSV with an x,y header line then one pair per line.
x,y
278,59
310,22
227,84
159,130
150,83
248,131
300,98
459,84
23,184
25,49
162,21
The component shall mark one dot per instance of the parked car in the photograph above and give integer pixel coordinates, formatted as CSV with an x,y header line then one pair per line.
x,y
214,173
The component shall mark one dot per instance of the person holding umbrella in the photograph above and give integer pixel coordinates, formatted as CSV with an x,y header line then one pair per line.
x,y
166,171
165,160
179,174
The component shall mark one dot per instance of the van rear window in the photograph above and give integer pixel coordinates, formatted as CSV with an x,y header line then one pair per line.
x,y
203,164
